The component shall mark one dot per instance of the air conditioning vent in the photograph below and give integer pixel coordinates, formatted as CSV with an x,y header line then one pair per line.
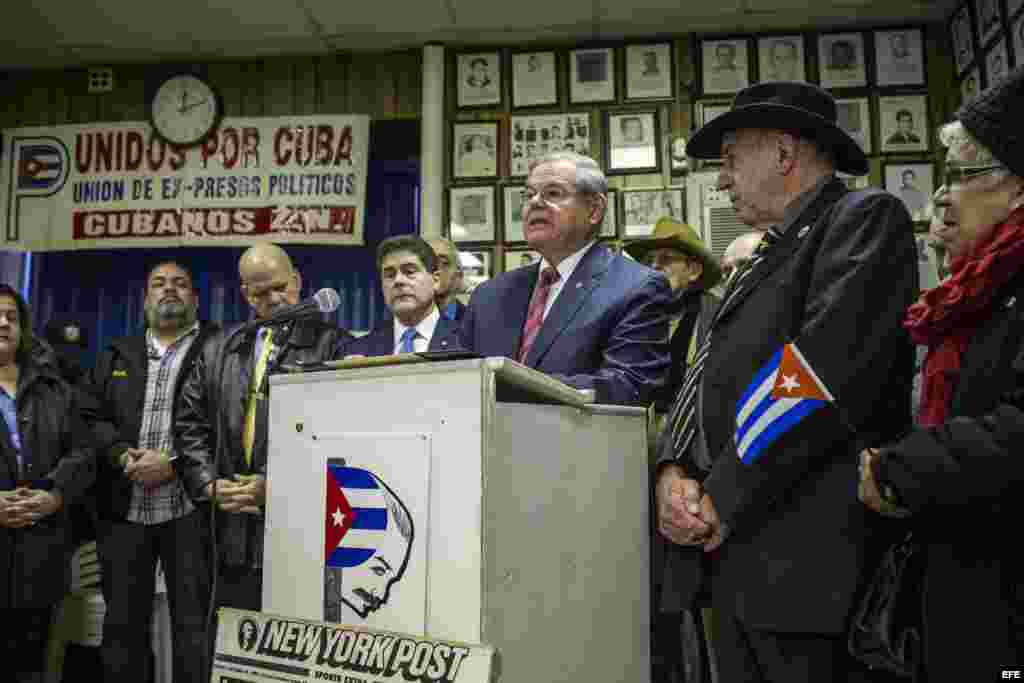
x,y
710,211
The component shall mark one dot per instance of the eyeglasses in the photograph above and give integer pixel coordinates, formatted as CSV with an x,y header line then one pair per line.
x,y
955,174
552,195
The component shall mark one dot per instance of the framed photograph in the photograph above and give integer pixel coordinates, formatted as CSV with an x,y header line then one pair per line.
x,y
534,79
854,182
704,111
678,160
471,213
519,258
475,150
513,205
961,32
643,208
1017,33
1013,7
533,136
649,71
971,85
781,58
479,79
633,142
903,123
914,184
997,63
929,261
989,20
854,117
610,226
592,75
899,57
477,266
725,66
841,60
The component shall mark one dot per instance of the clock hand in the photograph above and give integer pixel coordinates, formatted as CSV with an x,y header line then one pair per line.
x,y
193,105
184,99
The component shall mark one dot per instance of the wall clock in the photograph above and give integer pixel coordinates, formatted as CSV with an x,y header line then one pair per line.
x,y
184,109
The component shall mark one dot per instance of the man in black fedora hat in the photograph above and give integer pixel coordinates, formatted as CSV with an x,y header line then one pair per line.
x,y
804,363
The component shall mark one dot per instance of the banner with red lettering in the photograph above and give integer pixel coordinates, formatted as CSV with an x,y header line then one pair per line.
x,y
298,179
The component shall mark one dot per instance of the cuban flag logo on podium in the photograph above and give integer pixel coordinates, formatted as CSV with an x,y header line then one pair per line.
x,y
368,535
783,393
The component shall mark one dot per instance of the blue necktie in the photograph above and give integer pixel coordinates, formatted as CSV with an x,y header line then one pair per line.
x,y
407,338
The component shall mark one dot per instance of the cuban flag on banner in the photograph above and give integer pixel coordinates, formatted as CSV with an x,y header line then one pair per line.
x,y
356,516
783,393
40,166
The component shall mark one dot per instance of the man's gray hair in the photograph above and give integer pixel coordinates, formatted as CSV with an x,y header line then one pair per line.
x,y
590,179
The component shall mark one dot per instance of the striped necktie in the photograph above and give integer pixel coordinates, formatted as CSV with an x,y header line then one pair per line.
x,y
682,418
535,313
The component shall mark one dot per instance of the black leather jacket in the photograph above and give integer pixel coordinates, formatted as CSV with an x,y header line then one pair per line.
x,y
211,414
35,561
116,387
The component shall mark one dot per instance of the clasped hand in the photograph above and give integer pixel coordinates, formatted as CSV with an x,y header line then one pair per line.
x,y
868,490
23,507
245,493
147,466
685,515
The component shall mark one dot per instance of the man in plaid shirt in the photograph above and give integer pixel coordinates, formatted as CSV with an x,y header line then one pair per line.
x,y
144,513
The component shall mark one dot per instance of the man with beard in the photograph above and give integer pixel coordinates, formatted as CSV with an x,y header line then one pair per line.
x,y
221,421
144,513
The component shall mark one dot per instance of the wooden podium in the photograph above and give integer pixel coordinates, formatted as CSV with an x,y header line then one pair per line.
x,y
530,509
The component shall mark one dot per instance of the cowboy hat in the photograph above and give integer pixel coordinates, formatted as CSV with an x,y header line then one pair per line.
x,y
783,105
671,234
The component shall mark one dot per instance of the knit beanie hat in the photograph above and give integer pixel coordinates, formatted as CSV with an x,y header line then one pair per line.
x,y
994,116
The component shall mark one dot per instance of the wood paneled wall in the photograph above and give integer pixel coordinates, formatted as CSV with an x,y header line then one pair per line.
x,y
385,86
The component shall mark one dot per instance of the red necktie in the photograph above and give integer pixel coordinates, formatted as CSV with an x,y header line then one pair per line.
x,y
535,314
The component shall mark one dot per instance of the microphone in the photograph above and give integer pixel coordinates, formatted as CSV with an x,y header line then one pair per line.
x,y
324,301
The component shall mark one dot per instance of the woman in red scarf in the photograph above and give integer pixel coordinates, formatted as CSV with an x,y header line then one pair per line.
x,y
960,474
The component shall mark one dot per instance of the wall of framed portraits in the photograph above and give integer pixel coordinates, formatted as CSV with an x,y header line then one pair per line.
x,y
632,106
988,40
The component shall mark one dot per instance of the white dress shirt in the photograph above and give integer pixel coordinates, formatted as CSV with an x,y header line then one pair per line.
x,y
425,332
565,269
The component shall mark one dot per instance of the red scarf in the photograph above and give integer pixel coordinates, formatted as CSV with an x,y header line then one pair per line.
x,y
944,318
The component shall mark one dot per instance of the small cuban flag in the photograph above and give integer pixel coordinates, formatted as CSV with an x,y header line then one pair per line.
x,y
40,166
356,516
784,392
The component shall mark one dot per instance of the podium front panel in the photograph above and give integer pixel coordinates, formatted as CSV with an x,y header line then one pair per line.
x,y
446,407
537,524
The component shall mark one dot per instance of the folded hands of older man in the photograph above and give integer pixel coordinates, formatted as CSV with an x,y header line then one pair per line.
x,y
686,516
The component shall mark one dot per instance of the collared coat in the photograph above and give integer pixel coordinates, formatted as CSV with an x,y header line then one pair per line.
x,y
35,562
837,284
606,331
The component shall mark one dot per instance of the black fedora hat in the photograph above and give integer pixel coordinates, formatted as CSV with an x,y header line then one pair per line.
x,y
782,105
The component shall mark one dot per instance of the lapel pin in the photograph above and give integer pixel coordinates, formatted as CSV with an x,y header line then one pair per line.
x,y
1011,301
804,230
578,285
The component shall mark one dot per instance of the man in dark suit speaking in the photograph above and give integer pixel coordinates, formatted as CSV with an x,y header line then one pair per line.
x,y
409,280
804,364
584,315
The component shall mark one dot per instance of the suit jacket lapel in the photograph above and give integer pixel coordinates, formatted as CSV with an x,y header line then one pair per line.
x,y
787,245
443,337
573,295
514,300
